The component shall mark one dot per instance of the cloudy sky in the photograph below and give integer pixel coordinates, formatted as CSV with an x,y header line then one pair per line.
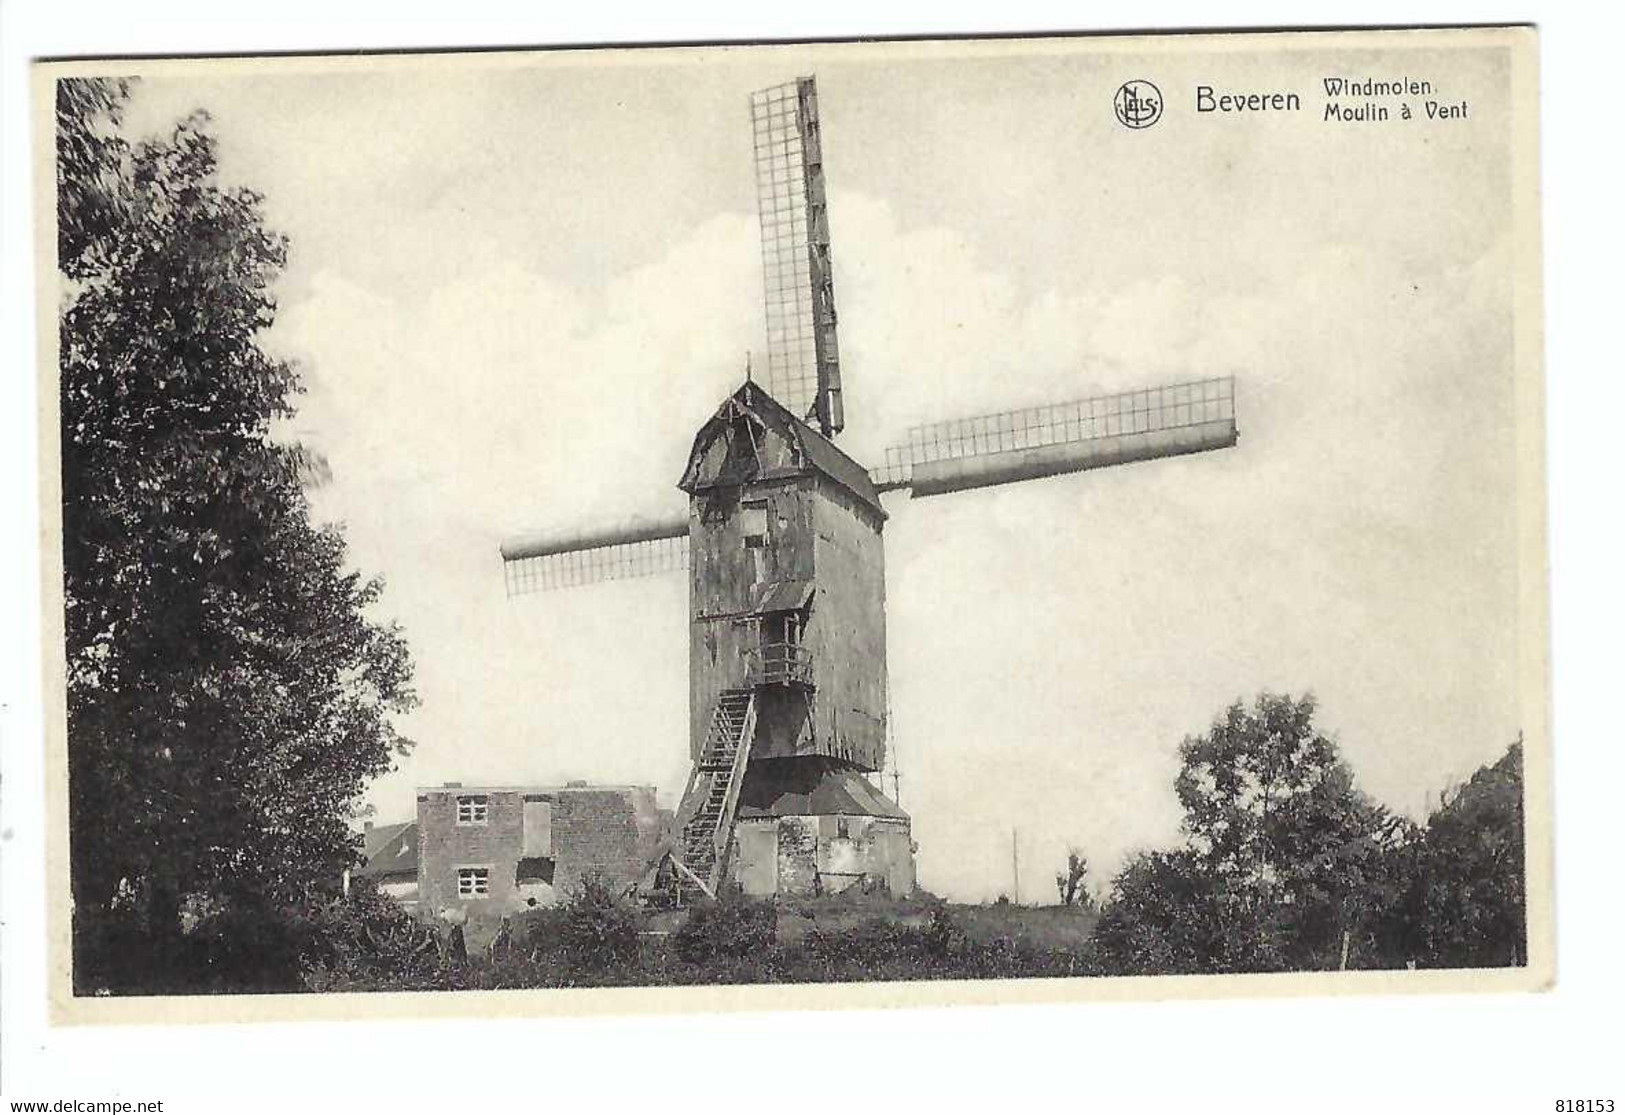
x,y
517,286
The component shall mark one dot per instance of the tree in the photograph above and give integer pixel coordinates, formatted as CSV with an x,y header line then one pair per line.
x,y
1469,900
1283,855
1073,883
1161,918
229,695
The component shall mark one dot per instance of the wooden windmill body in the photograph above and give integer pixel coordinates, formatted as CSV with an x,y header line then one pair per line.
x,y
787,659
782,539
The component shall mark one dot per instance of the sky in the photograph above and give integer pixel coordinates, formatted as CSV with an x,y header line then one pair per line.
x,y
517,285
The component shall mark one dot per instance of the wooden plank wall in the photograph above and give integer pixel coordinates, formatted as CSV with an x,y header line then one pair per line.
x,y
847,636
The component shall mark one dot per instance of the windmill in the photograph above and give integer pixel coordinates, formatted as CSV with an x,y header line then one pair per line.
x,y
782,539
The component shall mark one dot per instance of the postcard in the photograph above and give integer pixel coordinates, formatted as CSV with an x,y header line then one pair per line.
x,y
806,525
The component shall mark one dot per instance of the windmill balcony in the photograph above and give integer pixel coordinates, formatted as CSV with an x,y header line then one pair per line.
x,y
780,664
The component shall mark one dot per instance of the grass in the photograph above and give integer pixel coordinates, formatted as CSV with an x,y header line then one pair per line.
x,y
824,940
1035,927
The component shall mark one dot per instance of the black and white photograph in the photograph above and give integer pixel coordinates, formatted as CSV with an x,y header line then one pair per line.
x,y
967,520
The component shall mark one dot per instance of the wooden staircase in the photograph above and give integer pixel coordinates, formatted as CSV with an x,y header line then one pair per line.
x,y
712,796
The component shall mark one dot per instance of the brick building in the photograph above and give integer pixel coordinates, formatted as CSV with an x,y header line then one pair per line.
x,y
489,851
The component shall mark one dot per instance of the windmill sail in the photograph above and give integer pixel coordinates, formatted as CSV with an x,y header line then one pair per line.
x,y
569,558
803,375
803,361
980,452
1065,437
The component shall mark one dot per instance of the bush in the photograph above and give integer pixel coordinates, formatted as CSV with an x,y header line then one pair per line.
x,y
599,932
875,949
243,947
734,926
544,929
943,936
367,942
250,949
115,954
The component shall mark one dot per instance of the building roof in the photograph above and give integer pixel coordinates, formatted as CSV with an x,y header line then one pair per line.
x,y
389,850
817,451
813,785
829,460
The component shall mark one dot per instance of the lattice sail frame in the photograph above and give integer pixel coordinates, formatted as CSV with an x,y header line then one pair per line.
x,y
526,572
804,375
803,359
1156,421
935,459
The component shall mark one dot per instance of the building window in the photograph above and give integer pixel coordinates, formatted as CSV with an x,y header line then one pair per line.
x,y
473,882
473,809
753,523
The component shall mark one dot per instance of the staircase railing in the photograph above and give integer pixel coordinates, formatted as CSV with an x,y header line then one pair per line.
x,y
736,778
711,799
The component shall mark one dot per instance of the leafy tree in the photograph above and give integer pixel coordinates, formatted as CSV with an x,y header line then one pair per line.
x,y
228,694
93,194
1162,917
1468,902
1283,855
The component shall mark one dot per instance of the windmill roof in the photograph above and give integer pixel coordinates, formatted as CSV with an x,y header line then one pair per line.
x,y
835,464
819,453
390,850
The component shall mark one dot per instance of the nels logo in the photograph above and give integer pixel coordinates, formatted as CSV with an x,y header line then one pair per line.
x,y
1138,104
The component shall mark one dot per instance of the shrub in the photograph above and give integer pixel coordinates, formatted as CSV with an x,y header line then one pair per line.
x,y
734,926
543,930
367,942
246,948
943,936
599,932
875,949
